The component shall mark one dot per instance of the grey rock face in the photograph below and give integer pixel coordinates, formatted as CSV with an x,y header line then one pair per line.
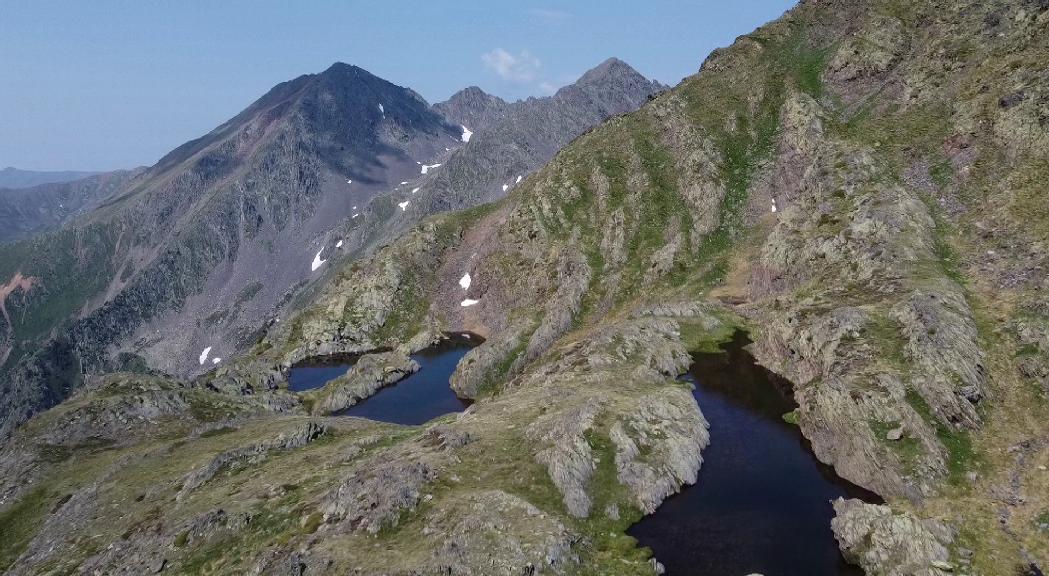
x,y
493,532
893,544
369,499
670,429
481,365
567,454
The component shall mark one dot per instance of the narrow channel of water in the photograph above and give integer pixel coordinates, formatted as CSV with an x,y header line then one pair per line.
x,y
762,502
417,399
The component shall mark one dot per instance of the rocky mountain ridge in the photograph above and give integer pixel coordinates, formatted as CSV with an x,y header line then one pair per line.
x,y
13,178
196,252
857,184
43,207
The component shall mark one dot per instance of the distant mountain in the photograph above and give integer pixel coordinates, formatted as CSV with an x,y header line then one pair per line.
x,y
509,141
198,251
14,178
28,211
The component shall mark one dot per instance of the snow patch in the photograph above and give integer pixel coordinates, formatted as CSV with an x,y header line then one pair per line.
x,y
216,360
518,181
467,134
774,208
354,216
465,281
467,303
204,355
338,244
428,167
382,111
505,186
403,183
317,262
404,205
349,181
414,190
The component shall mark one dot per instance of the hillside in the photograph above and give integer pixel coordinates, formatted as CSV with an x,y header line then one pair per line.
x,y
12,177
859,185
197,251
40,208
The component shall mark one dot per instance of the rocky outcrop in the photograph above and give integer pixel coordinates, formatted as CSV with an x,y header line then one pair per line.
x,y
489,362
870,213
891,544
949,361
492,532
374,496
566,452
371,372
658,447
248,455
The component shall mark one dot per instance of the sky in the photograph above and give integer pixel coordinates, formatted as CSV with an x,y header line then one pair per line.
x,y
110,84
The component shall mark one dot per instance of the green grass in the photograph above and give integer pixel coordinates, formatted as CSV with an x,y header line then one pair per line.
x,y
409,310
885,333
907,448
803,63
610,546
217,432
496,378
20,522
1043,519
961,456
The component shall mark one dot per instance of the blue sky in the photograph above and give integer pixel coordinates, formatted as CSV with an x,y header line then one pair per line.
x,y
110,84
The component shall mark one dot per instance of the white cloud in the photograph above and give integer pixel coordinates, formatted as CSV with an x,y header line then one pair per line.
x,y
547,88
523,68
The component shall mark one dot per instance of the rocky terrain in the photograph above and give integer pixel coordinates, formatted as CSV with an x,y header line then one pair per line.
x,y
860,185
153,267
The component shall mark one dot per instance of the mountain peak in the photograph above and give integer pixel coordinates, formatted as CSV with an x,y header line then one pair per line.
x,y
343,68
343,72
611,68
471,106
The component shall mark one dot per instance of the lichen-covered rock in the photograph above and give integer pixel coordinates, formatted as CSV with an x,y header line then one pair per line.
x,y
877,45
490,361
658,447
564,450
891,544
492,532
942,340
374,495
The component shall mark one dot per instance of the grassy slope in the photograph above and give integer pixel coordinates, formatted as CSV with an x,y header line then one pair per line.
x,y
742,129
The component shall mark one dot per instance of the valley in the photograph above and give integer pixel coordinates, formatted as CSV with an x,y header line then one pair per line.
x,y
789,316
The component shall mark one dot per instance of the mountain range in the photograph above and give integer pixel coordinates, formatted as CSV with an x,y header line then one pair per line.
x,y
858,185
147,268
12,177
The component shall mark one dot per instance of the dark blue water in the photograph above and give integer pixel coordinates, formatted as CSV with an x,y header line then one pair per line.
x,y
316,372
417,399
761,502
